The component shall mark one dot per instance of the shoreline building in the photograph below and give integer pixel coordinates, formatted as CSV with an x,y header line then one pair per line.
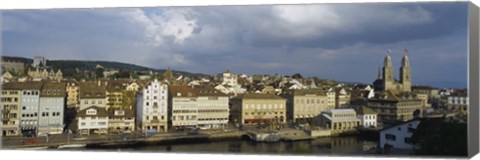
x,y
396,107
183,107
253,108
154,103
30,102
10,108
52,107
305,104
340,120
121,120
213,109
92,120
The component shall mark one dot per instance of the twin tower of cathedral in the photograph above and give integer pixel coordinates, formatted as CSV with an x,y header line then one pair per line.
x,y
386,81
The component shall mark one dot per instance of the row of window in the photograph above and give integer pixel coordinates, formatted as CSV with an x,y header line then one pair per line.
x,y
310,101
93,101
212,110
93,118
9,99
263,106
212,119
30,93
182,118
262,113
9,93
94,123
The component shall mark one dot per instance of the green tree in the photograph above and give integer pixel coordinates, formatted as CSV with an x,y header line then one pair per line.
x,y
99,72
449,139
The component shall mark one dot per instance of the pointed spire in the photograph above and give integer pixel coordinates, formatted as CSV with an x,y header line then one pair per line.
x,y
379,74
387,62
405,61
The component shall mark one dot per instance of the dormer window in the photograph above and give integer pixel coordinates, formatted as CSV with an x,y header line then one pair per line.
x,y
119,112
91,112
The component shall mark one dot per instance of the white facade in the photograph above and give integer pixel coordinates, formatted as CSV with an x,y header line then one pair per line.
x,y
399,136
212,111
154,107
51,113
368,120
229,79
184,111
93,122
30,100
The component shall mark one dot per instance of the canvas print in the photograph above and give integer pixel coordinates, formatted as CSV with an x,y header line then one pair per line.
x,y
366,79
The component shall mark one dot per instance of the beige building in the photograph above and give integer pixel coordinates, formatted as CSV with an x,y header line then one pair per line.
x,y
183,107
396,107
45,74
121,120
340,120
331,94
10,108
305,104
342,97
92,120
92,94
252,108
72,90
213,109
13,64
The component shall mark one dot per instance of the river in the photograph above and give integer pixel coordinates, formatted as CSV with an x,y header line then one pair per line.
x,y
351,145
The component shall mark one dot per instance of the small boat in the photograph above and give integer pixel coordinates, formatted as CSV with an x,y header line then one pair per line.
x,y
67,146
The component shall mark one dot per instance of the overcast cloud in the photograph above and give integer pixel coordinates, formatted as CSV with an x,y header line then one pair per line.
x,y
346,42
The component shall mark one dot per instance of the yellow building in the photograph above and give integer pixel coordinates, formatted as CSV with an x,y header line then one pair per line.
x,y
305,104
72,90
252,108
9,106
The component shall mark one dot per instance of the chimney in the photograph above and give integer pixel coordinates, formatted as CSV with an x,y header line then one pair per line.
x,y
98,81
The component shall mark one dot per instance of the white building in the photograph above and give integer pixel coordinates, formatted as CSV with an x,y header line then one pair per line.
x,y
121,120
183,107
30,101
213,109
340,120
399,136
92,120
229,78
368,117
458,101
154,107
51,110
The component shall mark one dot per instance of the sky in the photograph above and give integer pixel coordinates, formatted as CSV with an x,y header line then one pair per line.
x,y
345,42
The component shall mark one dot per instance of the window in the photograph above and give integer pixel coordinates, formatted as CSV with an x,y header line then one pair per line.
x,y
390,137
408,140
411,130
399,128
82,124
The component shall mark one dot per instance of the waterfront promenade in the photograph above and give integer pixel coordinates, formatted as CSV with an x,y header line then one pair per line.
x,y
113,140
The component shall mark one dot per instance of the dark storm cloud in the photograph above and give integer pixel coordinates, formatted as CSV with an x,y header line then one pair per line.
x,y
337,41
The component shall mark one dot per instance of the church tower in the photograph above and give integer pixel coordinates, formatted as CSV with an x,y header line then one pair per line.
x,y
388,80
405,73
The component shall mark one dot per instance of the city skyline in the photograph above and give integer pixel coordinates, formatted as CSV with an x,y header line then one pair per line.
x,y
265,39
